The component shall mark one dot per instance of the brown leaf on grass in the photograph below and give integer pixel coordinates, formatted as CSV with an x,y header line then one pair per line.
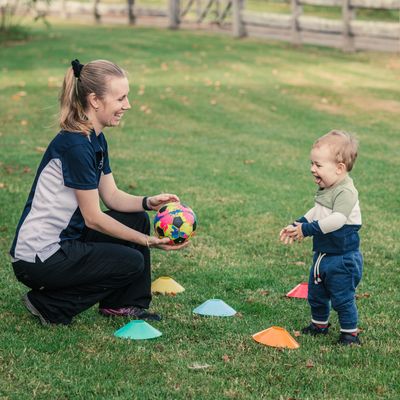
x,y
239,315
24,122
133,185
53,82
250,300
226,358
198,366
380,390
40,149
299,263
26,170
309,364
17,96
297,333
9,169
362,296
2,185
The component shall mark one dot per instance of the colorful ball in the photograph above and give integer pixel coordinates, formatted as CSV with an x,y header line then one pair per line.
x,y
176,222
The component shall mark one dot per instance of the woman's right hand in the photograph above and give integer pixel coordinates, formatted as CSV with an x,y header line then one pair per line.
x,y
164,244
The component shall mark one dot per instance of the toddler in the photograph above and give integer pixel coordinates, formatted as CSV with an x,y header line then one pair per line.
x,y
333,222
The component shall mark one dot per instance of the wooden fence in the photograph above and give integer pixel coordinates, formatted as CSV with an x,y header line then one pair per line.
x,y
346,33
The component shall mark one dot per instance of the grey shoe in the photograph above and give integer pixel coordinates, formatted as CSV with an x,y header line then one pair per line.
x,y
33,310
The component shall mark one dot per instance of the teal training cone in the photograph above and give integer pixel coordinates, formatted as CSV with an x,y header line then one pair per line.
x,y
137,330
215,308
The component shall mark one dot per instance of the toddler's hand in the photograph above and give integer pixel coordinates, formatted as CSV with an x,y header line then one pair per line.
x,y
291,233
284,235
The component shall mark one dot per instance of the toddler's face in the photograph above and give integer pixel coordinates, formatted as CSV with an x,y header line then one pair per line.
x,y
324,167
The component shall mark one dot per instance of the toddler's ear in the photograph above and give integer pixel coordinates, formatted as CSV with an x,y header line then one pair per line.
x,y
341,168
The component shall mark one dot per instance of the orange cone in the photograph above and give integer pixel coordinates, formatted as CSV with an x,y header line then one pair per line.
x,y
166,285
300,291
276,337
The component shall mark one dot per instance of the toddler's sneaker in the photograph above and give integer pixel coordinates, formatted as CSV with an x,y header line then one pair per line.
x,y
135,312
314,330
347,339
33,310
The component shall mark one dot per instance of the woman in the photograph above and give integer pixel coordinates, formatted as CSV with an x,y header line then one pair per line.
x,y
70,253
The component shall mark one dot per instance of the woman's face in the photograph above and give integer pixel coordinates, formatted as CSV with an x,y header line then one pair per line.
x,y
114,104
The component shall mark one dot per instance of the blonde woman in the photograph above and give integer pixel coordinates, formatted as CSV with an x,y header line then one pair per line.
x,y
69,252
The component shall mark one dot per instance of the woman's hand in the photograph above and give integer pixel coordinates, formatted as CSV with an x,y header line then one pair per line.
x,y
156,202
164,244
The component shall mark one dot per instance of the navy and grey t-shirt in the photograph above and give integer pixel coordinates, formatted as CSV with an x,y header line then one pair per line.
x,y
51,214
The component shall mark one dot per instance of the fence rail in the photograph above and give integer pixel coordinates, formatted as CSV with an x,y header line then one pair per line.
x,y
346,32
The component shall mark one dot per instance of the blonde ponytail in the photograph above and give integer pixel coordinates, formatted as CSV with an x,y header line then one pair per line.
x,y
92,78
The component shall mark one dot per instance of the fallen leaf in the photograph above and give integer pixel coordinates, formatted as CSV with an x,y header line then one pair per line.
x,y
197,366
226,358
363,296
133,185
24,122
299,263
239,315
309,364
297,333
2,185
40,149
27,170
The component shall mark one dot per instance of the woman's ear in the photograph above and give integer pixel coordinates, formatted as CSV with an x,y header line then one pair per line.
x,y
93,101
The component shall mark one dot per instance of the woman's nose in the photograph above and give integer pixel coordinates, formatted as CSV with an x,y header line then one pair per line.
x,y
127,105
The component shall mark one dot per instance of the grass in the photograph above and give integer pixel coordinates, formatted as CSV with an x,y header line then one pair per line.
x,y
227,125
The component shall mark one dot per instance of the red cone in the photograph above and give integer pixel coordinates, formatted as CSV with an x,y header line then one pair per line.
x,y
300,291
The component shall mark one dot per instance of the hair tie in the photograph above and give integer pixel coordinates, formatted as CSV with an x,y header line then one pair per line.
x,y
77,67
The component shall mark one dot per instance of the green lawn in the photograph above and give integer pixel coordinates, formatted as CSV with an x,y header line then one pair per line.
x,y
227,125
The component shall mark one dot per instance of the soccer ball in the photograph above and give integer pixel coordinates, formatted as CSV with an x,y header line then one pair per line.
x,y
176,222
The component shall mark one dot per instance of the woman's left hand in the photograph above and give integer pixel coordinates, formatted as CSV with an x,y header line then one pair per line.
x,y
164,244
156,202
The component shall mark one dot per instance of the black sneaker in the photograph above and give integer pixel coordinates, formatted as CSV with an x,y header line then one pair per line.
x,y
347,339
135,312
33,310
314,330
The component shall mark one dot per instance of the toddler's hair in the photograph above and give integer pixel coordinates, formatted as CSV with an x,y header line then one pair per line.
x,y
344,147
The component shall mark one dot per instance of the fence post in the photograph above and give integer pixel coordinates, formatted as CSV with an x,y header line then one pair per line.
x,y
238,28
96,13
131,12
296,12
174,14
348,15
